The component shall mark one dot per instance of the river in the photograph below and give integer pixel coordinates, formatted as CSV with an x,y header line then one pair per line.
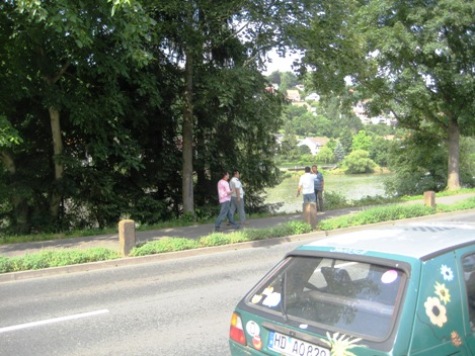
x,y
351,187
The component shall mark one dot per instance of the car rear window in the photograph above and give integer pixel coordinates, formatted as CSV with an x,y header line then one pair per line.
x,y
333,294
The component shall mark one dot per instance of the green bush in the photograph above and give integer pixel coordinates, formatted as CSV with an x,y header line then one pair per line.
x,y
276,231
55,258
287,229
166,244
358,162
34,261
462,205
218,239
375,215
5,265
334,200
299,227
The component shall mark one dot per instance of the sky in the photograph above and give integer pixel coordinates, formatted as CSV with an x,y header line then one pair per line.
x,y
280,64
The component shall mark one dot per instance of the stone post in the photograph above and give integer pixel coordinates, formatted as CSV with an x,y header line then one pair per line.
x,y
126,236
429,198
310,214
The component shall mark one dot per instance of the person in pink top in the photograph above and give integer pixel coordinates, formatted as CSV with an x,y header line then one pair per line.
x,y
224,195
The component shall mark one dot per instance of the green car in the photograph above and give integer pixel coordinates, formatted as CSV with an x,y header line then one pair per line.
x,y
407,290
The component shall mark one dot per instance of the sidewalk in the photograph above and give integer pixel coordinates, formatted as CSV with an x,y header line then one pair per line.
x,y
111,241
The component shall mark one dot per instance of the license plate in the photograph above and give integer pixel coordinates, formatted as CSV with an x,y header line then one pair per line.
x,y
287,345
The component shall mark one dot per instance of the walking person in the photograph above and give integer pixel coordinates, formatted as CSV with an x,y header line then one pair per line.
x,y
237,197
318,186
307,186
224,195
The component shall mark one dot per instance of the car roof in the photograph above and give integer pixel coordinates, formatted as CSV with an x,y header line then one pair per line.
x,y
413,241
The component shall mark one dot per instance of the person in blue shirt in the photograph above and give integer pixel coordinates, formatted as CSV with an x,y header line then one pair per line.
x,y
318,186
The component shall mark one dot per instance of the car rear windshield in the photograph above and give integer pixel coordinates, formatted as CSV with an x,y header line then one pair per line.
x,y
333,294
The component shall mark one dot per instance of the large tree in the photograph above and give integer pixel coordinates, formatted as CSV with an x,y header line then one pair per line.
x,y
60,63
209,37
412,59
129,93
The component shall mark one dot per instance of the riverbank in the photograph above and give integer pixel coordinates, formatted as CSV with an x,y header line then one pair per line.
x,y
282,198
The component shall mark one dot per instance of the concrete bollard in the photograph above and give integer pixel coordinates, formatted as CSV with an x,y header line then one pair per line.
x,y
429,198
310,214
126,236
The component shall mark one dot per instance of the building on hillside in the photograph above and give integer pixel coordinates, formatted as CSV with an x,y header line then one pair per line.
x,y
279,138
293,95
312,97
360,112
313,143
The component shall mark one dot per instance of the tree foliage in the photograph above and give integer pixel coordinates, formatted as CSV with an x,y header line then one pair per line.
x,y
418,162
429,49
92,108
414,60
358,162
51,52
362,141
325,155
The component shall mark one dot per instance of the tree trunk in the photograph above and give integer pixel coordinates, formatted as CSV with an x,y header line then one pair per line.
x,y
19,203
58,165
188,201
453,178
8,162
54,117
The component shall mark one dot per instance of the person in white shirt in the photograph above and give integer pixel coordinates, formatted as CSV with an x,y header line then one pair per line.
x,y
306,186
237,197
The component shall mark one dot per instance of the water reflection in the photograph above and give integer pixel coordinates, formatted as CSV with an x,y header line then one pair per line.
x,y
352,187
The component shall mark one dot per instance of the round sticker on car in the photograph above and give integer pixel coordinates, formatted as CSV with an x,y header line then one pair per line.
x,y
389,276
252,328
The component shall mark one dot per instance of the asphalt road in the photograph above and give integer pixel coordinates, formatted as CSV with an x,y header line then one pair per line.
x,y
174,307
178,307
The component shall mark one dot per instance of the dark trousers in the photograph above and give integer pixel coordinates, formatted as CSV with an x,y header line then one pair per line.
x,y
319,195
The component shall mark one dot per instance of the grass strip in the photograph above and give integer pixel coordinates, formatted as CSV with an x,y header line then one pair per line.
x,y
63,257
55,258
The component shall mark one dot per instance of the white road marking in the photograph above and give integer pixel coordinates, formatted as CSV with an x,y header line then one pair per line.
x,y
51,321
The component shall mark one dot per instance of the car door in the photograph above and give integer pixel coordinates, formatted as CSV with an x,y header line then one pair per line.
x,y
440,319
466,256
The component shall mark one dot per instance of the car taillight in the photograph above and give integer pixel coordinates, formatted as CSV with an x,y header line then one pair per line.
x,y
236,332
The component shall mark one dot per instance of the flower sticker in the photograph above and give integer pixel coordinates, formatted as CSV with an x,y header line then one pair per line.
x,y
446,273
442,292
455,338
340,345
436,311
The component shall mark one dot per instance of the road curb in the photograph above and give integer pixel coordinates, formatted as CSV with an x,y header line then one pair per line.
x,y
130,261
